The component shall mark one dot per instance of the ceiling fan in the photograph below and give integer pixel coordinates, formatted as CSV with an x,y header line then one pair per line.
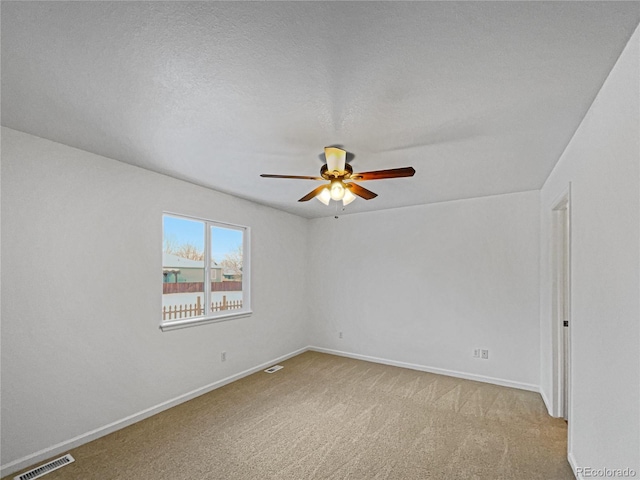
x,y
341,177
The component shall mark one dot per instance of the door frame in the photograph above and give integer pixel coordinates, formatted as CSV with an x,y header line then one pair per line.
x,y
561,302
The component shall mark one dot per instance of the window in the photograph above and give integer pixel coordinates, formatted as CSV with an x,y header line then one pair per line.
x,y
205,271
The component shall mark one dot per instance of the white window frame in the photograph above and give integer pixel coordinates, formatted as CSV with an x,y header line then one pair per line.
x,y
245,311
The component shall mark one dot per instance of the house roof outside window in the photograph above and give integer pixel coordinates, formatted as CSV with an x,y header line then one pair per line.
x,y
174,261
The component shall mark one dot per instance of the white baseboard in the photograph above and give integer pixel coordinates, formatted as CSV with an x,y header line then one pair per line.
x,y
439,371
574,466
63,447
547,403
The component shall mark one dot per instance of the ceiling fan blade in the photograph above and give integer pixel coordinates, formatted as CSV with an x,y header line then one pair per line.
x,y
298,177
312,194
380,174
361,191
336,158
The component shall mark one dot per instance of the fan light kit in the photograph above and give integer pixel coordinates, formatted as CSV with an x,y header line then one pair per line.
x,y
337,170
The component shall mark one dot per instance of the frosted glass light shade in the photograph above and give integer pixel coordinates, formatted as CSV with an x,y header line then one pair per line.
x,y
336,158
337,190
348,197
324,196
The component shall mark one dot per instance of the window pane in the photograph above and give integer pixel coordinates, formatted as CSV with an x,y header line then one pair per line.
x,y
226,269
197,252
182,268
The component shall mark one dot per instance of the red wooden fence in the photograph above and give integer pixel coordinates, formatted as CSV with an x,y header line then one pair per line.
x,y
195,287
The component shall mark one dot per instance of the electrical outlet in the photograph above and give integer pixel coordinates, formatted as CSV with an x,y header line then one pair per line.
x,y
485,354
476,353
339,334
223,357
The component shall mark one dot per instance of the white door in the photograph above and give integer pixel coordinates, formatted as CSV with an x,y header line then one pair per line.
x,y
561,236
564,312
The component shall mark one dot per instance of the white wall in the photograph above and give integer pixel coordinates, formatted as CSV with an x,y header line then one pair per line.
x,y
425,285
81,293
601,162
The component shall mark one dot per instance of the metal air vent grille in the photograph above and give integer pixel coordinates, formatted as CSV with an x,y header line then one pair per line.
x,y
46,468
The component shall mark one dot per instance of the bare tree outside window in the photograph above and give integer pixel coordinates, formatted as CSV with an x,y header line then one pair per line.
x,y
232,261
188,250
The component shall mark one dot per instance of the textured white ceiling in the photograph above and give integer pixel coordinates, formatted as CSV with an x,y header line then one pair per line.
x,y
479,97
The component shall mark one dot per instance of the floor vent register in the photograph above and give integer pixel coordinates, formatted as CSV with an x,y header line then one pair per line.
x,y
275,368
46,468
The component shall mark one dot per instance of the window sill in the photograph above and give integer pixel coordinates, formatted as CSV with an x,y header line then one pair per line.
x,y
192,322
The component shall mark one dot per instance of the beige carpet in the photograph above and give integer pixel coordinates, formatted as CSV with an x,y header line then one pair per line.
x,y
328,417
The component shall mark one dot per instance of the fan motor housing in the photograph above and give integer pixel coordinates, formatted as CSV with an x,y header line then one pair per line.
x,y
325,173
